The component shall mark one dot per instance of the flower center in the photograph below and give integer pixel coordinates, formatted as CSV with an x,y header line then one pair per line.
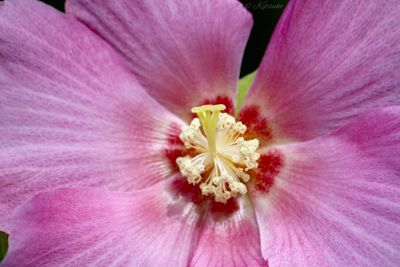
x,y
219,157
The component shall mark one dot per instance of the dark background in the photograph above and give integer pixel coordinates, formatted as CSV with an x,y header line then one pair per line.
x,y
265,14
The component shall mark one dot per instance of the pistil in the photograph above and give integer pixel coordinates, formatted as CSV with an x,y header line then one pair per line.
x,y
209,115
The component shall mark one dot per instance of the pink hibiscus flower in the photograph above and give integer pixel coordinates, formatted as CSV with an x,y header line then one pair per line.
x,y
95,106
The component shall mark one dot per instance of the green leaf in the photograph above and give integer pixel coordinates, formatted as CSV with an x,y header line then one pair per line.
x,y
243,88
3,245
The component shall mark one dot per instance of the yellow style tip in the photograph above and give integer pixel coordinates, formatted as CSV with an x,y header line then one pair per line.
x,y
203,108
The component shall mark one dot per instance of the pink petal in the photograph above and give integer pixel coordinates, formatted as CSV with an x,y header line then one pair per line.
x,y
70,113
181,51
327,62
89,227
336,200
229,240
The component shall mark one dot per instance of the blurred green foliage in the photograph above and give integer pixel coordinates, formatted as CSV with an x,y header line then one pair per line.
x,y
3,245
243,88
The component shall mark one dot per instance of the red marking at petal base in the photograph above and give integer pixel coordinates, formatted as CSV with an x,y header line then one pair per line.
x,y
220,99
257,125
171,156
173,134
174,148
222,210
192,193
269,166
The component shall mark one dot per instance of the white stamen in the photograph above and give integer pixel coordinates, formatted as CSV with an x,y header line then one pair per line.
x,y
222,155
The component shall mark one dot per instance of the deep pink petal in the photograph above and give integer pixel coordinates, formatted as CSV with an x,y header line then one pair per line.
x,y
336,202
90,227
229,240
181,51
327,62
70,113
